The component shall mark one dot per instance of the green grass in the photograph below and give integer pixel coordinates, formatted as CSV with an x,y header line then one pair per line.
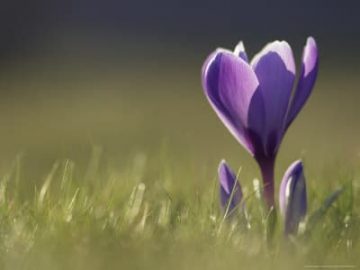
x,y
134,219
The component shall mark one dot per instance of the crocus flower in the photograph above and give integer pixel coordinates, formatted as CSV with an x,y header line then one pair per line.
x,y
292,197
256,101
230,190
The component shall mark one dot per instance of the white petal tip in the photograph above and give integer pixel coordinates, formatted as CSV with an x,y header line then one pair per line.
x,y
239,48
283,49
310,56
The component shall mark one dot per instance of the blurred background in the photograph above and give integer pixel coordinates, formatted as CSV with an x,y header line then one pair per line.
x,y
124,76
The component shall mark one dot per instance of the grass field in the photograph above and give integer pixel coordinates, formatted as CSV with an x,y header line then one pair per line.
x,y
110,167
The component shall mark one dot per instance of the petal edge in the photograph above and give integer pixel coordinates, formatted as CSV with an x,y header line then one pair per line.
x,y
309,71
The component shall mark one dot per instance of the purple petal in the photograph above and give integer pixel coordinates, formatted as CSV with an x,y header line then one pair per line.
x,y
256,129
309,70
256,112
229,188
292,197
275,69
229,84
240,51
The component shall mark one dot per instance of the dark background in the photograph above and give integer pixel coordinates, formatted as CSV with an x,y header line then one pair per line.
x,y
29,27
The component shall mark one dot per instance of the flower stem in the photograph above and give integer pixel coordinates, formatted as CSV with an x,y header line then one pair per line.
x,y
267,166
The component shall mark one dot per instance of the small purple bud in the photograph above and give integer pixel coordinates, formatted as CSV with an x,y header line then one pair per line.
x,y
292,197
230,190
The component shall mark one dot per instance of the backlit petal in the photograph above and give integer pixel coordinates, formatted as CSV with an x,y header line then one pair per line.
x,y
309,70
275,69
229,84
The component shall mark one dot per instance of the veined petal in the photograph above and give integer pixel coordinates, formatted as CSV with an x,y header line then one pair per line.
x,y
230,190
229,84
240,51
309,70
292,197
237,85
275,69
